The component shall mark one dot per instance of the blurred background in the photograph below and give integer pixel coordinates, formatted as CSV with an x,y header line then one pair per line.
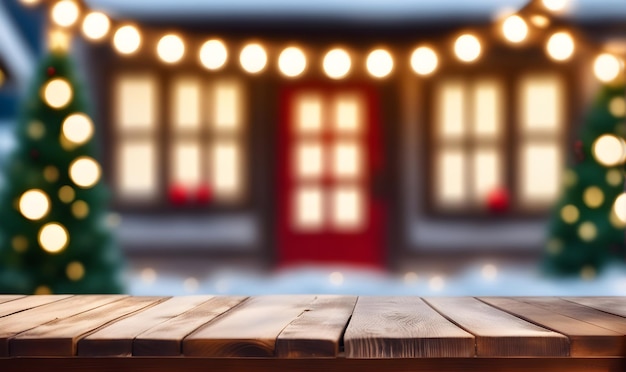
x,y
435,147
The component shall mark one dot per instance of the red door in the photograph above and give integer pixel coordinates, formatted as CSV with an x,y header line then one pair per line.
x,y
329,157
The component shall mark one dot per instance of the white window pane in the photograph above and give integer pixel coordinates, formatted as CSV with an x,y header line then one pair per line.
x,y
542,97
348,113
227,105
186,163
541,169
450,172
308,208
347,208
487,109
487,175
137,171
309,159
308,113
226,166
136,102
346,159
186,103
451,110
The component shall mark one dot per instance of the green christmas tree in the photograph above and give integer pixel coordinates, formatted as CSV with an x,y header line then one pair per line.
x,y
587,226
54,236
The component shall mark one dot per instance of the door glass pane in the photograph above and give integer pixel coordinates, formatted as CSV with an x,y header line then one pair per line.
x,y
186,104
226,170
136,102
137,171
308,112
487,173
226,105
347,208
309,159
308,208
346,160
450,178
487,109
541,108
541,169
186,164
451,110
348,113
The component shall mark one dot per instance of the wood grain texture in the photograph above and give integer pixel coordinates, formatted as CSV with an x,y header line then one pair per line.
x,y
28,302
499,333
403,327
166,338
611,305
7,298
117,339
59,337
28,319
318,331
249,330
585,339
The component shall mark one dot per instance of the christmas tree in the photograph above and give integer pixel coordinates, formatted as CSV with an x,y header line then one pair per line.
x,y
587,227
54,236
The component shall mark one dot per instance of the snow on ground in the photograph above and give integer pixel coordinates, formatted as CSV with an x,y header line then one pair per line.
x,y
479,280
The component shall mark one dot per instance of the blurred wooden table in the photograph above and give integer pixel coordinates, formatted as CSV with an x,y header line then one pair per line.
x,y
311,333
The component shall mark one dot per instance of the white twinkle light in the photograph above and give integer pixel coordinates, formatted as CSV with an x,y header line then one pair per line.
x,y
609,150
34,204
53,237
85,172
619,208
515,29
96,25
127,39
171,48
213,54
337,63
554,5
379,63
606,67
560,46
77,128
65,13
292,62
253,58
57,93
424,60
467,48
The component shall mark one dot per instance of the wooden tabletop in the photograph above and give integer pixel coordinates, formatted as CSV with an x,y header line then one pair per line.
x,y
324,329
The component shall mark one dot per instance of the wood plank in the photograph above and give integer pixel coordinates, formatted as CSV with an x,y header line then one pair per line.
x,y
7,298
28,302
117,339
166,338
59,337
499,333
403,327
585,339
318,331
249,330
611,305
25,320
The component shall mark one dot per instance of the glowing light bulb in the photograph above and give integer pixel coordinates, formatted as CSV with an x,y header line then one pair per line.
x,y
515,29
34,204
337,63
467,48
127,39
379,63
65,13
593,197
292,62
570,213
57,93
253,58
77,128
53,237
84,172
171,48
424,60
30,2
587,231
96,25
75,271
609,150
619,207
607,67
560,46
617,107
554,5
213,54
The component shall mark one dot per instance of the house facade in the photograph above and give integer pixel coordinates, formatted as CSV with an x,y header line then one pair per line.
x,y
259,138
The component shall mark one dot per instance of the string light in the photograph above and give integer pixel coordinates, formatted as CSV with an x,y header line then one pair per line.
x,y
292,62
587,231
614,177
65,13
59,40
619,208
51,173
57,93
606,67
75,271
617,107
171,48
77,128
66,194
213,54
539,21
80,209
560,46
570,213
96,25
593,197
337,63
253,58
515,29
379,63
127,39
467,48
609,150
554,5
53,237
19,244
30,2
34,204
84,172
424,60
2,77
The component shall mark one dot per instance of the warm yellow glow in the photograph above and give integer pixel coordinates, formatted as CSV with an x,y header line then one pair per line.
x,y
292,62
593,197
540,21
127,39
85,172
57,93
379,63
587,231
80,209
30,2
53,237
609,150
75,270
569,178
51,173
34,204
554,5
614,177
337,63
515,29
560,46
96,25
42,290
19,243
570,213
59,40
65,13
619,208
467,48
213,54
2,77
607,67
171,48
253,58
66,194
77,128
617,107
36,130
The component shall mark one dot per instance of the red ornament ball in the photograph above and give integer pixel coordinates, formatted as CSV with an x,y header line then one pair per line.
x,y
51,71
498,200
204,194
177,195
